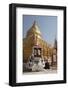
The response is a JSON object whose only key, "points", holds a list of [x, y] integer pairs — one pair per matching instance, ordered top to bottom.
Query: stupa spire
{"points": [[35, 23]]}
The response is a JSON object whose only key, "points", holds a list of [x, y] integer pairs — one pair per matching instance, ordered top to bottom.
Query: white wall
{"points": [[4, 44]]}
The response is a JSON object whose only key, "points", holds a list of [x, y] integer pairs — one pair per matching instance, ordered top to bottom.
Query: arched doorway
{"points": [[37, 51]]}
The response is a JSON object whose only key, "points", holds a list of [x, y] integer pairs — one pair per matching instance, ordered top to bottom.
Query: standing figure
{"points": [[47, 66]]}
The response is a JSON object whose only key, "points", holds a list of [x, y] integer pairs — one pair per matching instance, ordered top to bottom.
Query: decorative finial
{"points": [[34, 23], [55, 43]]}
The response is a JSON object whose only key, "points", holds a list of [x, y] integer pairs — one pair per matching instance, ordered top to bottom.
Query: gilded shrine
{"points": [[34, 45]]}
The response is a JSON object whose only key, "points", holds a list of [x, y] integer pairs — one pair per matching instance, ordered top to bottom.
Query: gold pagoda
{"points": [[34, 40]]}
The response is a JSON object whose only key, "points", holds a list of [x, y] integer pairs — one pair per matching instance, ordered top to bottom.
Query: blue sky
{"points": [[47, 24]]}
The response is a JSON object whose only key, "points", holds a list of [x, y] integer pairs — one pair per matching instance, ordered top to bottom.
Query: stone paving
{"points": [[44, 71]]}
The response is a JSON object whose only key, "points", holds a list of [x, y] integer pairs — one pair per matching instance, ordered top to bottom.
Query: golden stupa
{"points": [[34, 38]]}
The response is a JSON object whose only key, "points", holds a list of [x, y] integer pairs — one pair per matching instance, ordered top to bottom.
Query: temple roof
{"points": [[34, 29]]}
